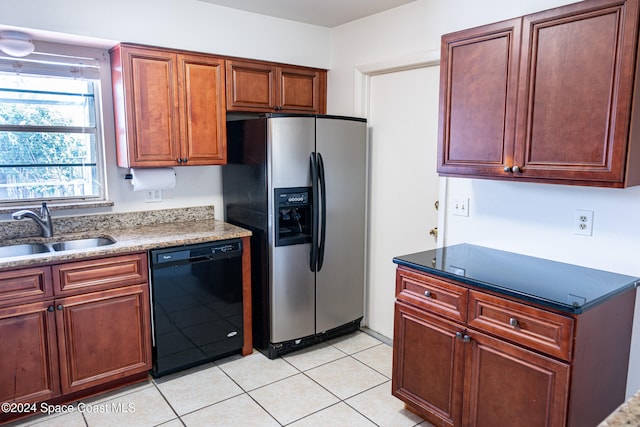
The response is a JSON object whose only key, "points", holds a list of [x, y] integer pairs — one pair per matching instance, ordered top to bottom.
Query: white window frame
{"points": [[79, 58]]}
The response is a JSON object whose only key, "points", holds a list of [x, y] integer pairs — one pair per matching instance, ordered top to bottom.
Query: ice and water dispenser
{"points": [[294, 210]]}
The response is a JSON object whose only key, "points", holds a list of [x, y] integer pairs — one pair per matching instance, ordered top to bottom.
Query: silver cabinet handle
{"points": [[514, 169], [428, 294], [514, 322], [463, 337]]}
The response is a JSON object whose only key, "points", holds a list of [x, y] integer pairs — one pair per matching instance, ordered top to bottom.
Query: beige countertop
{"points": [[139, 238], [628, 414]]}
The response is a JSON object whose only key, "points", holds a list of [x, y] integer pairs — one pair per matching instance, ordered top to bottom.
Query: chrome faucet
{"points": [[43, 221]]}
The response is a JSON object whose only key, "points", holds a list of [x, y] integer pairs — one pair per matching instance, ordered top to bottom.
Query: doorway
{"points": [[403, 182]]}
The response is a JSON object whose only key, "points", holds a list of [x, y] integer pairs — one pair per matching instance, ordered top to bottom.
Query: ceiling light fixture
{"points": [[16, 43]]}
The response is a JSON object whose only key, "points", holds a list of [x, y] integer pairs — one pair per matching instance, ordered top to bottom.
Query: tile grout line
{"points": [[351, 355], [251, 397], [340, 400], [168, 403], [319, 410]]}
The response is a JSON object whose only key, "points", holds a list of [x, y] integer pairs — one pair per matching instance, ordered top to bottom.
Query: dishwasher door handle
{"points": [[200, 259]]}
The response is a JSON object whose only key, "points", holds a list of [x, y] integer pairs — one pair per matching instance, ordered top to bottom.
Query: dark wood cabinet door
{"points": [[251, 86], [269, 87], [478, 88], [301, 90], [575, 91], [202, 105], [151, 106], [103, 336], [28, 354], [428, 365], [507, 385]]}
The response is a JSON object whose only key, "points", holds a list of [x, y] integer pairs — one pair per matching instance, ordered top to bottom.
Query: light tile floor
{"points": [[343, 382]]}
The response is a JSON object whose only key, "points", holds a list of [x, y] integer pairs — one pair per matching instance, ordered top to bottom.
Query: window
{"points": [[50, 129]]}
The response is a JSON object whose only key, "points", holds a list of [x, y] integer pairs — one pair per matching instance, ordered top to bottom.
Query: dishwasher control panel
{"points": [[235, 246], [196, 252]]}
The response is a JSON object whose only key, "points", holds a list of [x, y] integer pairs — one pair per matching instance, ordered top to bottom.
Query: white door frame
{"points": [[363, 74], [362, 96]]}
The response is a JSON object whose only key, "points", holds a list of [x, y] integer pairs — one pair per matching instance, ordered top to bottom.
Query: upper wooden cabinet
{"points": [[254, 86], [547, 97], [169, 107]]}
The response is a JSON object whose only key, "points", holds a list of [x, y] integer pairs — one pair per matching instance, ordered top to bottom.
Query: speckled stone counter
{"points": [[133, 232], [628, 414]]}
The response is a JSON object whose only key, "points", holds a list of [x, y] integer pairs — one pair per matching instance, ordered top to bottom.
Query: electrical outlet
{"points": [[153, 196], [461, 207], [583, 222]]}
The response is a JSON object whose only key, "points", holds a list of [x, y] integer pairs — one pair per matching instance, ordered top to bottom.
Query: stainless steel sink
{"points": [[89, 243], [23, 249]]}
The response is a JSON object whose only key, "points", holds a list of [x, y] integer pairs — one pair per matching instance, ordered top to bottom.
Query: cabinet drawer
{"points": [[98, 274], [24, 285], [430, 293], [538, 329]]}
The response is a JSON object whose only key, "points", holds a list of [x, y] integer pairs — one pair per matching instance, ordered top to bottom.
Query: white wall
{"points": [[182, 24], [407, 31], [534, 219]]}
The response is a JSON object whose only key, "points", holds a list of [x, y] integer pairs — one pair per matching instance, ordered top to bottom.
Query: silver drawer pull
{"points": [[428, 294], [514, 322], [463, 337]]}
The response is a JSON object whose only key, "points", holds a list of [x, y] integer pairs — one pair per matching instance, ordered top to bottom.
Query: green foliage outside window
{"points": [[47, 138]]}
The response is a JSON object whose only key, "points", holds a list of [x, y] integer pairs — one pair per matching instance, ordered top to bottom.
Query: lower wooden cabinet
{"points": [[103, 336], [52, 346], [28, 353], [466, 357], [428, 364], [435, 365], [509, 385]]}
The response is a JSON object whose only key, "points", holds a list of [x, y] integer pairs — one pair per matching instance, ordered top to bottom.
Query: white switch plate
{"points": [[153, 196], [461, 206], [583, 222]]}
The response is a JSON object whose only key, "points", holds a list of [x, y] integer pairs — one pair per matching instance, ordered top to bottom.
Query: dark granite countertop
{"points": [[566, 287]]}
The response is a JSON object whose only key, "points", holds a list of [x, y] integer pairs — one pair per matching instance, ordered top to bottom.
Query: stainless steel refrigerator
{"points": [[298, 182]]}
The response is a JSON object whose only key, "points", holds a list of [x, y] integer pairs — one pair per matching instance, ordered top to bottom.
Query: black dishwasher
{"points": [[196, 302]]}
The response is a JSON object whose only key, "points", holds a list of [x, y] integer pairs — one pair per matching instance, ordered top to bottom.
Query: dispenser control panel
{"points": [[288, 199], [293, 211]]}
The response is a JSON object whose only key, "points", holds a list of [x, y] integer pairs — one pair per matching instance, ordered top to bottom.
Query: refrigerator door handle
{"points": [[323, 211], [313, 259]]}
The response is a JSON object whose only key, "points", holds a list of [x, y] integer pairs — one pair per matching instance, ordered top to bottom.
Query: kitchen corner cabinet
{"points": [[254, 86], [547, 97], [169, 107], [71, 327], [464, 356]]}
